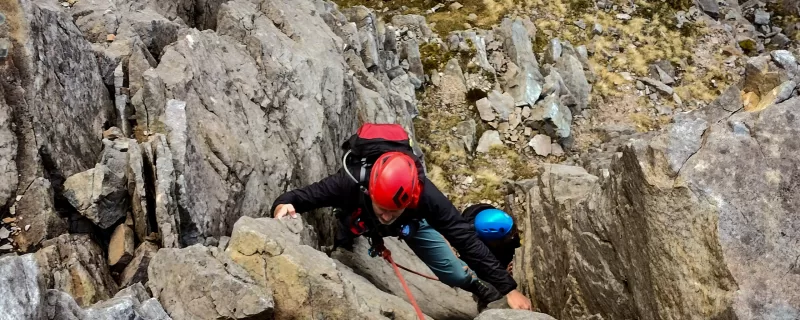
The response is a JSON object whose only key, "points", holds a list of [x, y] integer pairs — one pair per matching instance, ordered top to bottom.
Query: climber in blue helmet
{"points": [[496, 229]]}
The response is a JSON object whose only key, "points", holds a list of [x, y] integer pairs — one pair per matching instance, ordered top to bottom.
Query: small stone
{"points": [[65, 4], [455, 6], [435, 8], [623, 16], [472, 17], [761, 17], [2, 18], [580, 24], [467, 26], [598, 28], [110, 37], [780, 40], [747, 44], [663, 75], [627, 76], [640, 85], [658, 85], [654, 96], [677, 99], [485, 109], [526, 112], [514, 120], [503, 127], [528, 131], [113, 133], [488, 140], [541, 145], [556, 150], [468, 180], [13, 210], [9, 220], [27, 226], [4, 233], [6, 247], [121, 247]]}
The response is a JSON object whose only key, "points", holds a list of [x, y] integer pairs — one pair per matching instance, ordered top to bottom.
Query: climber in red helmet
{"points": [[382, 192]]}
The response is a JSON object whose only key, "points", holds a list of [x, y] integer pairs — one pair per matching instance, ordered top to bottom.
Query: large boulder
{"points": [[99, 194], [696, 222], [203, 283], [306, 283], [434, 298]]}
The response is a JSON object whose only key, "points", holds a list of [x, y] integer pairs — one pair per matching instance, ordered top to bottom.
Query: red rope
{"points": [[388, 256], [417, 273]]}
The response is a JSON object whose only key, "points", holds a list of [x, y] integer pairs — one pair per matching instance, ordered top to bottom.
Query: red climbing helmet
{"points": [[394, 182]]}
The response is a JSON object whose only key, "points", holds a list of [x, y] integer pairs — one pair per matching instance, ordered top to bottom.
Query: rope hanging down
{"points": [[386, 254]]}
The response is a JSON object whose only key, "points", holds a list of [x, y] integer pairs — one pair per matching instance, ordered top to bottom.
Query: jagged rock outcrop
{"points": [[220, 105], [62, 106], [691, 223], [78, 266], [305, 282], [24, 288], [434, 298], [132, 303]]}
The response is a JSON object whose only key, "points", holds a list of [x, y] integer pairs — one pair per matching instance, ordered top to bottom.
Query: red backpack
{"points": [[370, 142]]}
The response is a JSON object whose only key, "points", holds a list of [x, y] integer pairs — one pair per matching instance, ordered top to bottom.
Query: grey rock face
{"points": [[192, 282], [19, 288]]}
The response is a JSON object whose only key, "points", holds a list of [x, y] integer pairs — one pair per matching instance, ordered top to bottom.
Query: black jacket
{"points": [[340, 191], [504, 252]]}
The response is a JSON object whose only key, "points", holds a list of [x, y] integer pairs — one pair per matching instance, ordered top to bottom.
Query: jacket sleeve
{"points": [[328, 192], [443, 216]]}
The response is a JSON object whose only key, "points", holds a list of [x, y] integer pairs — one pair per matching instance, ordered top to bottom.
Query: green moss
{"points": [[579, 7], [434, 57]]}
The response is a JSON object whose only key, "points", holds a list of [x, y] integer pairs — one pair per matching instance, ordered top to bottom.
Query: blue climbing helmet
{"points": [[493, 224]]}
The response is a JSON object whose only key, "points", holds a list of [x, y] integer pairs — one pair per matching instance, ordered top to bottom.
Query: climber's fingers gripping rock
{"points": [[284, 209]]}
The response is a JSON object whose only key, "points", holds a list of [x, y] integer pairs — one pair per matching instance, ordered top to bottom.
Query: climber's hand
{"points": [[283, 209], [516, 300]]}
